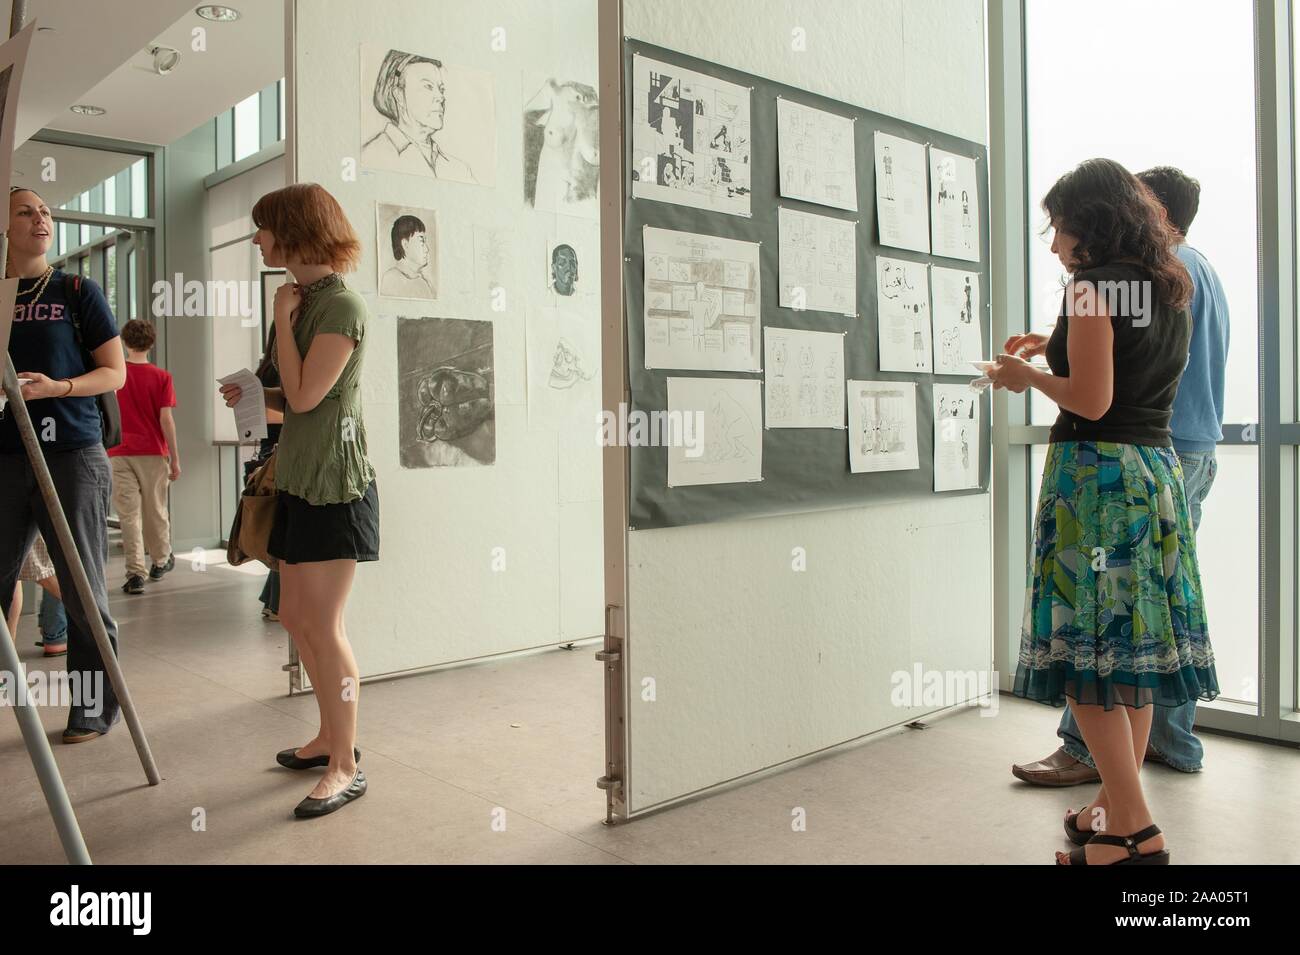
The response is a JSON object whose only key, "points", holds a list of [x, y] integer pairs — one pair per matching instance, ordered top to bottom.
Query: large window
{"points": [[1152, 84], [250, 125]]}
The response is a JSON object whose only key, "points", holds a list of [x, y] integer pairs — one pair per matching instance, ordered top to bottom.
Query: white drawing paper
{"points": [[425, 117], [690, 138], [561, 146], [815, 151], [902, 206], [954, 206], [406, 251], [572, 260], [818, 262], [494, 268], [713, 284], [903, 309], [958, 340], [563, 368], [804, 384], [250, 410], [726, 420], [882, 426], [956, 437]]}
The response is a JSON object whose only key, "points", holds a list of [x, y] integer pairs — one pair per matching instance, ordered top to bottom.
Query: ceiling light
{"points": [[217, 13], [164, 59], [85, 109]]}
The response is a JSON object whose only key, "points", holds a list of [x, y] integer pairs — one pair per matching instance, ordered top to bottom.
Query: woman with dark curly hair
{"points": [[1114, 613]]}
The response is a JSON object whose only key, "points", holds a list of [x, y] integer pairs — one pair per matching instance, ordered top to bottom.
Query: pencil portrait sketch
{"points": [[426, 118], [406, 246]]}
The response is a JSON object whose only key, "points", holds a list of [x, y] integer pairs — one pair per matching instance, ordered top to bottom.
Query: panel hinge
{"points": [[608, 656]]}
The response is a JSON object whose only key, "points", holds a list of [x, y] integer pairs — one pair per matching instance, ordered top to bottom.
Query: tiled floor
{"points": [[449, 754]]}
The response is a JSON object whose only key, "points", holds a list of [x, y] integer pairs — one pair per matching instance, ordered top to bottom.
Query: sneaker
{"points": [[157, 570], [133, 585]]}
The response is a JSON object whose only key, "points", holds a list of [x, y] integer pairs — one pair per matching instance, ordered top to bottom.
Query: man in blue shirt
{"points": [[1197, 427]]}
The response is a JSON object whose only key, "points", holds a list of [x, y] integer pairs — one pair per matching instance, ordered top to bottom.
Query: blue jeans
{"points": [[53, 619], [1171, 726]]}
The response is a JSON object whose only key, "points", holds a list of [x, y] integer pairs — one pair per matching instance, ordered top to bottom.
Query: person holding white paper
{"points": [[327, 506], [1114, 614]]}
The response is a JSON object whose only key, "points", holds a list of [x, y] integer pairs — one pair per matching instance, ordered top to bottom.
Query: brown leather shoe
{"points": [[1059, 769]]}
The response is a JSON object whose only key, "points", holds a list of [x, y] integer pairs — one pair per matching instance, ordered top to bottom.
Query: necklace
{"points": [[39, 287], [306, 291]]}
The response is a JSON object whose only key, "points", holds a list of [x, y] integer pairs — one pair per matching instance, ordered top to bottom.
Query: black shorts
{"points": [[304, 533]]}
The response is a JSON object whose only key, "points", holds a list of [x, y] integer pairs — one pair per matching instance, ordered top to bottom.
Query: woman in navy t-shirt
{"points": [[60, 394]]}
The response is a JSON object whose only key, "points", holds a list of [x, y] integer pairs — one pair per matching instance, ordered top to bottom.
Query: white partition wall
{"points": [[475, 559], [753, 661]]}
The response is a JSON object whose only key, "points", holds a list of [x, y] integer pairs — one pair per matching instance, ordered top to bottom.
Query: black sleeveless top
{"points": [[1150, 353]]}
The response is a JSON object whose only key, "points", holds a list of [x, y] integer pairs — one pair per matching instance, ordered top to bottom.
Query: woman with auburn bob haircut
{"points": [[327, 511]]}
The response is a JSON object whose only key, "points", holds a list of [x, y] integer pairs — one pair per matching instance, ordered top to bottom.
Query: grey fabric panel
{"points": [[804, 469]]}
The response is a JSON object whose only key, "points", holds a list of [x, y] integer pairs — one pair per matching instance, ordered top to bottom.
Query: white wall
{"points": [[236, 342], [433, 597], [753, 663]]}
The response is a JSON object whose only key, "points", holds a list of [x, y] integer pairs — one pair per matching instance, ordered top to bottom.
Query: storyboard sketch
{"points": [[425, 117], [690, 138], [561, 146], [816, 157], [954, 206], [902, 207], [406, 251], [818, 262], [701, 302], [956, 302], [903, 310], [563, 368], [804, 383], [446, 394], [725, 424], [882, 426], [956, 437]]}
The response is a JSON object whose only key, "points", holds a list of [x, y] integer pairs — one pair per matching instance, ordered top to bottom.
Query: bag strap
{"points": [[72, 295]]}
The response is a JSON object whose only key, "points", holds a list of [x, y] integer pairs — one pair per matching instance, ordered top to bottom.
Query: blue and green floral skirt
{"points": [[1114, 611]]}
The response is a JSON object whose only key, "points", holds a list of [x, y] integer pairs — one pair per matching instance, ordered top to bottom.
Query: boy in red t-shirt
{"points": [[141, 468]]}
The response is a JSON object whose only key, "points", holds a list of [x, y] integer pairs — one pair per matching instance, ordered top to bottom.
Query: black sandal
{"points": [[289, 759], [1076, 835], [1159, 857]]}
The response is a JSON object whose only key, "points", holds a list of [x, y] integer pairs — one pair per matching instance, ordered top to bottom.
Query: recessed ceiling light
{"points": [[218, 13], [164, 59], [85, 109]]}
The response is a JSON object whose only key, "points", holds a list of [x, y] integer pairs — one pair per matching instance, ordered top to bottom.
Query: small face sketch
{"points": [[564, 269]]}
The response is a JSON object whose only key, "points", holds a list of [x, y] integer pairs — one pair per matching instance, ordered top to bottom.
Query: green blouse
{"points": [[321, 456]]}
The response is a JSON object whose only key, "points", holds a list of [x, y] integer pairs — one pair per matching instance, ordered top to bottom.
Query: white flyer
{"points": [[690, 138], [816, 155], [954, 206], [902, 208], [818, 268], [701, 302], [903, 312], [958, 337], [804, 383], [250, 410], [726, 418], [882, 426], [956, 437]]}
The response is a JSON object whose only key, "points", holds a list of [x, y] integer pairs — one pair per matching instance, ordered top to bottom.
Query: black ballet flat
{"points": [[288, 760], [310, 808], [1076, 835], [1159, 857]]}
